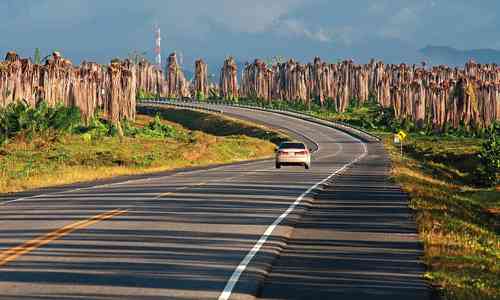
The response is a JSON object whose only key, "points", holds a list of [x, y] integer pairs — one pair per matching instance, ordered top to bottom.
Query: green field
{"points": [[38, 158], [457, 214], [457, 220]]}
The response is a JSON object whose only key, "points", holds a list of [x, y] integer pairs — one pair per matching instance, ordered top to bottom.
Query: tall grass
{"points": [[19, 117], [150, 144], [489, 170], [457, 220]]}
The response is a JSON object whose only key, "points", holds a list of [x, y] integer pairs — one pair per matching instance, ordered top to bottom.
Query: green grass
{"points": [[214, 124], [51, 157], [457, 220]]}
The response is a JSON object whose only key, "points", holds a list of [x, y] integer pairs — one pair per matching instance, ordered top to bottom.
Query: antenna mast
{"points": [[158, 46]]}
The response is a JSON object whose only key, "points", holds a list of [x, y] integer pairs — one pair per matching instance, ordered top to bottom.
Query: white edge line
{"points": [[132, 180], [128, 181], [233, 280]]}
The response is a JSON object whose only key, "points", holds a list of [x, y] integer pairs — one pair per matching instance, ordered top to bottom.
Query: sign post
{"points": [[399, 139]]}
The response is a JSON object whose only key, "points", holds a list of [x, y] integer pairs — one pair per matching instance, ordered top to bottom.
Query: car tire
{"points": [[278, 166], [306, 166]]}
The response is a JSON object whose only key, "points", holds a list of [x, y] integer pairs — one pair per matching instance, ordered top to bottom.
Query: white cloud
{"points": [[377, 7], [46, 13], [186, 15], [239, 16], [252, 16], [403, 24], [214, 27], [297, 28]]}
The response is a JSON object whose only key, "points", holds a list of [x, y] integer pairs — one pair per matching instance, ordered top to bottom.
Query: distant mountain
{"points": [[436, 55]]}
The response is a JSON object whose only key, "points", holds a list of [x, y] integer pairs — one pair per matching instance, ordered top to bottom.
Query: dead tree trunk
{"points": [[229, 80], [200, 82], [177, 85]]}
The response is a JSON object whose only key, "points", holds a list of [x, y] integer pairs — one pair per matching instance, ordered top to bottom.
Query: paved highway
{"points": [[337, 231]]}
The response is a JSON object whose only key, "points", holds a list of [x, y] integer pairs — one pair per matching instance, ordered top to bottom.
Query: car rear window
{"points": [[292, 146]]}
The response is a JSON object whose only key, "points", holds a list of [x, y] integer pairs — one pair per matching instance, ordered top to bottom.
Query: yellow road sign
{"points": [[402, 135]]}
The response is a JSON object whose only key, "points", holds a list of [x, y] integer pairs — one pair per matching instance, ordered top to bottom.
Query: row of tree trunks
{"points": [[19, 79], [150, 79], [229, 80], [200, 81], [257, 81], [173, 84], [177, 85], [88, 87], [112, 88], [86, 93], [121, 93], [437, 97]]}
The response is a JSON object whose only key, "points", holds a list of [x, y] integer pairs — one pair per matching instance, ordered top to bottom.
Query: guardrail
{"points": [[182, 104], [192, 104]]}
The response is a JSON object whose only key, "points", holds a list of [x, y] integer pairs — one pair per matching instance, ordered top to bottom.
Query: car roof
{"points": [[283, 143], [299, 145]]}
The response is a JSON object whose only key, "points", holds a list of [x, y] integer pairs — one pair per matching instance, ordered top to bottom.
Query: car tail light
{"points": [[281, 152], [301, 153]]}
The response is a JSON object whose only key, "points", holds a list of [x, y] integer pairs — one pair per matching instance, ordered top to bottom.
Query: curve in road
{"points": [[214, 233]]}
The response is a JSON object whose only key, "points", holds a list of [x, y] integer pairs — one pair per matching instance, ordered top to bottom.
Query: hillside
{"points": [[451, 56]]}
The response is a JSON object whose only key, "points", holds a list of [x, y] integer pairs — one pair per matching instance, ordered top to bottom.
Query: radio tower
{"points": [[158, 47]]}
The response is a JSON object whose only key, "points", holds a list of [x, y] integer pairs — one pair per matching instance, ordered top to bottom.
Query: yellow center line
{"points": [[180, 189], [171, 193], [11, 254]]}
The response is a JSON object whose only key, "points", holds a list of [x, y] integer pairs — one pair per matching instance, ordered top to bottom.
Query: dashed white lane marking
{"points": [[233, 280]]}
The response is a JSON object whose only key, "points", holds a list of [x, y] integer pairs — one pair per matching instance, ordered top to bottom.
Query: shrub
{"points": [[144, 95], [200, 96], [353, 104], [19, 117], [63, 118], [98, 128], [157, 129], [87, 137], [489, 157]]}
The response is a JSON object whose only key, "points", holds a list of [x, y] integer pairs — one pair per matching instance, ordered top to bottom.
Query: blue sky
{"points": [[99, 30]]}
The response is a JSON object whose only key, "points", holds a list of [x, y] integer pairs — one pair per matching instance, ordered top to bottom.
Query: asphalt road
{"points": [[339, 230]]}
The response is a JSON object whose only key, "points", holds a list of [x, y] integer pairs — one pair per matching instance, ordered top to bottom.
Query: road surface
{"points": [[337, 231]]}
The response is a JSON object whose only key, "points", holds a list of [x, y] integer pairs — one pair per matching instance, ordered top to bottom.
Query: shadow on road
{"points": [[358, 241], [187, 242]]}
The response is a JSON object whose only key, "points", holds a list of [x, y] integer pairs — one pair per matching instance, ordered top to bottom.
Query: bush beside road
{"points": [[39, 157], [458, 220]]}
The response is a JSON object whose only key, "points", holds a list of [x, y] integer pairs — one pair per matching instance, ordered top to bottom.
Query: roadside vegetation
{"points": [[144, 95], [212, 123], [47, 146], [453, 181], [457, 217]]}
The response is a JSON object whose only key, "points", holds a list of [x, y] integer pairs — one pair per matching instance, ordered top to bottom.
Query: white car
{"points": [[293, 153]]}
